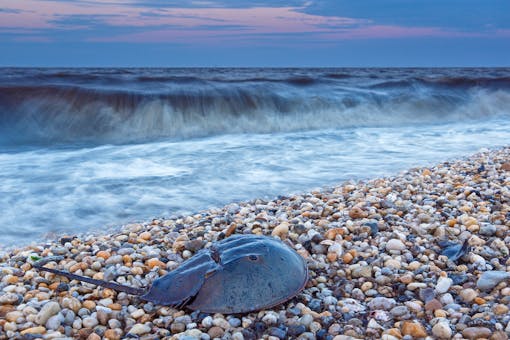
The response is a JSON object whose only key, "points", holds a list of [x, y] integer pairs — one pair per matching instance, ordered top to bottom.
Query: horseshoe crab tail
{"points": [[111, 285]]}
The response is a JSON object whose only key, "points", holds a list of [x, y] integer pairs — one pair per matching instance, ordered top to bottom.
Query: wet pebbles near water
{"points": [[424, 254]]}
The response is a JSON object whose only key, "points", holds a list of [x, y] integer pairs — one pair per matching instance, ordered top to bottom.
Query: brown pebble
{"points": [[505, 166], [426, 172], [357, 212], [230, 230], [333, 232], [347, 258], [406, 278], [433, 304], [115, 306], [6, 309], [177, 327], [414, 329], [85, 332], [215, 332], [476, 332], [113, 334], [499, 335], [93, 336]]}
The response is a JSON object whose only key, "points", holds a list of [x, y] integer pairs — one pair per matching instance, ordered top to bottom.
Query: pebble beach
{"points": [[423, 254]]}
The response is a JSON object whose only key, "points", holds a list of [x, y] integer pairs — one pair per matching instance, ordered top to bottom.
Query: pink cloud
{"points": [[187, 24]]}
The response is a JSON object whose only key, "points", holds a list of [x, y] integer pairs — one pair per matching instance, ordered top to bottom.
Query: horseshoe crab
{"points": [[239, 274]]}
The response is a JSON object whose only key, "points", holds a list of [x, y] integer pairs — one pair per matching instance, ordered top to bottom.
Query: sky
{"points": [[254, 33]]}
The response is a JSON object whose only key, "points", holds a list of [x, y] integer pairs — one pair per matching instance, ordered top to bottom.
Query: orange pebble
{"points": [[145, 235], [103, 254], [347, 258], [155, 262], [479, 301], [115, 306]]}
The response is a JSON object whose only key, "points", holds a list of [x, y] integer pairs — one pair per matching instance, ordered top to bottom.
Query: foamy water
{"points": [[83, 150]]}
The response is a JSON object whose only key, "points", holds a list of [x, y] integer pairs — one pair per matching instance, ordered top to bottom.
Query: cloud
{"points": [[208, 21]]}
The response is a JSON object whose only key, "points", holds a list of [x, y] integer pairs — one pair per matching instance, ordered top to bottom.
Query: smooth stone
{"points": [[487, 229], [395, 244], [361, 271], [490, 279], [443, 284], [427, 294], [468, 295], [10, 299], [382, 303], [433, 305], [47, 311], [400, 312], [270, 319], [306, 320], [54, 322], [89, 322], [207, 322], [234, 322], [177, 327], [139, 329], [414, 329], [34, 330], [296, 330], [442, 330], [215, 332], [277, 332], [476, 332], [236, 336]]}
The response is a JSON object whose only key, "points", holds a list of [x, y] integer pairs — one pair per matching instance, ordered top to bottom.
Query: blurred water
{"points": [[75, 188]]}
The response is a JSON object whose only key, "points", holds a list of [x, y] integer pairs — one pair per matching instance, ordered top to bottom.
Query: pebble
{"points": [[395, 244], [490, 279], [443, 284], [468, 295], [9, 299], [382, 303], [48, 310], [54, 322], [89, 322], [140, 329], [414, 329], [34, 330], [442, 330], [215, 332], [476, 332]]}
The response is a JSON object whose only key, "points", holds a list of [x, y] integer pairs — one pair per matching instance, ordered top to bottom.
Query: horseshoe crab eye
{"points": [[253, 257]]}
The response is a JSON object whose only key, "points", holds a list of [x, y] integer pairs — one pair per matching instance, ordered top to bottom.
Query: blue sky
{"points": [[254, 33]]}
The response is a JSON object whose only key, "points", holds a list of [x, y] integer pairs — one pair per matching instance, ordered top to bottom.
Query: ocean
{"points": [[87, 149]]}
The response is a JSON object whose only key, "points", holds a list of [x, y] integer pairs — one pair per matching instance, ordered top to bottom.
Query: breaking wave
{"points": [[127, 106]]}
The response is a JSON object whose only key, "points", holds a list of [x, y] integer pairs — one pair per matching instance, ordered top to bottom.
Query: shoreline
{"points": [[377, 266]]}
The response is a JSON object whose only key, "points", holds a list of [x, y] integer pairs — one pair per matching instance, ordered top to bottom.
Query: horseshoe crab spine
{"points": [[106, 284]]}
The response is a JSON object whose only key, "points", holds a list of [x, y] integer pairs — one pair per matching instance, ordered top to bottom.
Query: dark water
{"points": [[137, 105], [85, 148]]}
